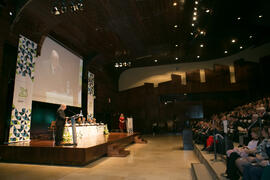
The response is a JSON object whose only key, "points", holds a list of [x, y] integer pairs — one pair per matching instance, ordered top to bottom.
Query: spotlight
{"points": [[196, 2], [175, 4], [195, 9], [207, 10], [55, 11], [10, 13], [195, 13], [260, 16], [194, 18], [238, 18], [192, 24], [175, 26], [250, 37], [233, 40], [176, 45], [201, 45], [241, 47], [225, 52], [198, 57], [176, 58], [155, 60], [116, 65]]}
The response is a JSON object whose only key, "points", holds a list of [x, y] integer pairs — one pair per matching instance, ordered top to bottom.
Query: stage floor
{"points": [[45, 152]]}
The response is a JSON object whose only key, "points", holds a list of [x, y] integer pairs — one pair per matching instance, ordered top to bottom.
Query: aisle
{"points": [[160, 159]]}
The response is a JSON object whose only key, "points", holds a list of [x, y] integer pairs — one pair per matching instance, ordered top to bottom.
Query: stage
{"points": [[88, 150]]}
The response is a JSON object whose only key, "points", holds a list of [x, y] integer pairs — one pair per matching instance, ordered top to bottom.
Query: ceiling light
{"points": [[196, 2], [175, 4], [195, 9], [207, 10], [10, 13], [195, 13], [260, 16], [194, 18], [238, 18], [192, 24], [175, 26], [202, 32], [191, 33], [250, 36], [233, 40], [176, 45], [201, 45], [241, 47], [225, 52], [198, 57], [176, 58], [155, 60], [120, 64], [116, 65]]}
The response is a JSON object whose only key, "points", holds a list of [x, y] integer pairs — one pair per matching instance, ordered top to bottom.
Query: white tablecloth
{"points": [[82, 132]]}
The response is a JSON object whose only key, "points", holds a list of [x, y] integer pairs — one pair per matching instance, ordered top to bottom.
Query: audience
{"points": [[244, 124]]}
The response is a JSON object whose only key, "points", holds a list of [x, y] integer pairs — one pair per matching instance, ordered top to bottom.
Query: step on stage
{"points": [[88, 150]]}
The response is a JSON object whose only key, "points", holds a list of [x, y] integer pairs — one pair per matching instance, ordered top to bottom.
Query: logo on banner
{"points": [[23, 92]]}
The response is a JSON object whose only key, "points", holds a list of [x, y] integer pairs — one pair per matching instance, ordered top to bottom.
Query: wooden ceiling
{"points": [[141, 31]]}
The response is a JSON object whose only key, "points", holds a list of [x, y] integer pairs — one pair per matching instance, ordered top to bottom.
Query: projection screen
{"points": [[58, 75]]}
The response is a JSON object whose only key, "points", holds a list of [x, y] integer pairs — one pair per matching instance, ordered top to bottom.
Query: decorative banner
{"points": [[23, 87], [91, 97]]}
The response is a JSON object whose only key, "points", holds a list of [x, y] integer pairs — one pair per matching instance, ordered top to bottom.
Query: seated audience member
{"points": [[260, 153], [234, 154], [255, 171]]}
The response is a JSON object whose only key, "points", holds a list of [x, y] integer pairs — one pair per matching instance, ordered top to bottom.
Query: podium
{"points": [[73, 124]]}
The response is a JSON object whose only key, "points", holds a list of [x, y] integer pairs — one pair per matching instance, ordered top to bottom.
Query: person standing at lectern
{"points": [[122, 122], [60, 124]]}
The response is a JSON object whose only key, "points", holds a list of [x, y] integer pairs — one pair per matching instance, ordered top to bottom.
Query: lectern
{"points": [[73, 123]]}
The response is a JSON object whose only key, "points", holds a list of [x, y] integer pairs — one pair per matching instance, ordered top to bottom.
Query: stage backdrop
{"points": [[91, 97], [22, 99]]}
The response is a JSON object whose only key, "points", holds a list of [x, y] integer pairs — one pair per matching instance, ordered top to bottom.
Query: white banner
{"points": [[91, 97], [22, 98]]}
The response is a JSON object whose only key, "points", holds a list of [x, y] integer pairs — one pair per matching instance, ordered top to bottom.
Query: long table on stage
{"points": [[83, 131], [44, 151]]}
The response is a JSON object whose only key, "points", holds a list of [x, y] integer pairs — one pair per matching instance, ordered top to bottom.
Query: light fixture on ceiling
{"points": [[196, 2], [175, 4], [63, 6], [195, 9], [207, 10], [10, 13], [195, 13], [260, 16], [194, 18], [192, 24], [176, 26], [250, 37], [233, 40], [176, 45], [201, 45], [241, 47], [225, 52], [198, 57], [176, 58], [156, 60]]}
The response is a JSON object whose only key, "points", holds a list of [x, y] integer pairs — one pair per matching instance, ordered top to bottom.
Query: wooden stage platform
{"points": [[88, 150]]}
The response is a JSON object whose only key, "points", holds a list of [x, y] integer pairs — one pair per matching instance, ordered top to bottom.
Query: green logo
{"points": [[23, 92]]}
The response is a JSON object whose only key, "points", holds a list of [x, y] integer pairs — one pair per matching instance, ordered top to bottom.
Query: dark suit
{"points": [[60, 124]]}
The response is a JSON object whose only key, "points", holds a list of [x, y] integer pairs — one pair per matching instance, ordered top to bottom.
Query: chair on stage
{"points": [[52, 129]]}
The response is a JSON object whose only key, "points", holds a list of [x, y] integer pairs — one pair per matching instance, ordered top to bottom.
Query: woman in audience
{"points": [[260, 153], [234, 154], [256, 170]]}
